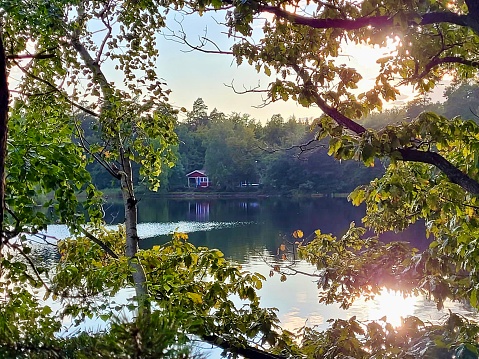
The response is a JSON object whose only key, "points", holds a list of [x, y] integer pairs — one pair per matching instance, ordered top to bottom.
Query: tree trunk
{"points": [[3, 132], [125, 174], [131, 222]]}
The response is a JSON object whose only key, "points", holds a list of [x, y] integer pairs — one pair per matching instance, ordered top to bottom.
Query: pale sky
{"points": [[191, 75]]}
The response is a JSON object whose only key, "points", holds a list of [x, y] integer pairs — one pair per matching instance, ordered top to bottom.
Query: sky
{"points": [[193, 74]]}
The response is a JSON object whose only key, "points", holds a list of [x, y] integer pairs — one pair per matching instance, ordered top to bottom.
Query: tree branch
{"points": [[106, 22], [362, 22], [181, 38], [30, 56], [436, 61], [94, 66], [56, 89], [310, 89], [302, 147], [407, 154], [97, 158], [453, 173], [100, 243], [32, 265], [246, 351]]}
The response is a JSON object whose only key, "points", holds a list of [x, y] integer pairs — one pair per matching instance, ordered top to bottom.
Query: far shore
{"points": [[220, 195]]}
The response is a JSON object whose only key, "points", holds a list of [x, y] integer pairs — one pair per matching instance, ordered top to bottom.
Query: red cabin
{"points": [[197, 179]]}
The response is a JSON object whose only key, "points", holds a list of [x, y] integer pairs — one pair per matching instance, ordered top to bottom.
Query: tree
{"points": [[64, 52], [461, 100], [198, 115], [272, 132], [231, 151]]}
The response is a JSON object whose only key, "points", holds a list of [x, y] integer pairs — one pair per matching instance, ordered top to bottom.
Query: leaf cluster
{"points": [[379, 339]]}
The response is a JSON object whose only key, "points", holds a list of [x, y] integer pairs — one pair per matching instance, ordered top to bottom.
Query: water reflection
{"points": [[199, 211], [157, 230], [250, 231], [298, 303], [394, 306]]}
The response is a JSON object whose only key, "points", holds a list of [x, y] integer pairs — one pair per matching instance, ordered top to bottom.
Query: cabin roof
{"points": [[197, 173]]}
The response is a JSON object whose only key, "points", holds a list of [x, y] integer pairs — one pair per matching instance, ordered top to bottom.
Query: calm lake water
{"points": [[249, 231]]}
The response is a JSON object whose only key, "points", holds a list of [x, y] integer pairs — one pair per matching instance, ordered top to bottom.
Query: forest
{"points": [[280, 155]]}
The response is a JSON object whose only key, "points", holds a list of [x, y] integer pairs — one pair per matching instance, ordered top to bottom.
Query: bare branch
{"points": [[106, 22], [181, 37], [32, 56], [39, 56], [436, 61], [245, 90], [36, 94], [304, 147], [97, 158], [44, 237], [100, 243]]}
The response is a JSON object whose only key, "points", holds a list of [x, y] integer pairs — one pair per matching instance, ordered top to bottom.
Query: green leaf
{"points": [[195, 297]]}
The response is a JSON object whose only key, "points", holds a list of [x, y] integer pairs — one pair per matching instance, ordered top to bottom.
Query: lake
{"points": [[249, 231]]}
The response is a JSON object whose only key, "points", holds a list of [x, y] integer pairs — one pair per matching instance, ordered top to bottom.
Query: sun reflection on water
{"points": [[392, 305]]}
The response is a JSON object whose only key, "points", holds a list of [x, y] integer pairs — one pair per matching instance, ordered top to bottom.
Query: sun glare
{"points": [[392, 305]]}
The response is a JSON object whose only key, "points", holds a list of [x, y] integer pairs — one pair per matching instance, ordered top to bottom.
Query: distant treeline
{"points": [[238, 153]]}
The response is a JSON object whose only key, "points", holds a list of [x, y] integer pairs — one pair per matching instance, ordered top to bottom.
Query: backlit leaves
{"points": [[379, 339]]}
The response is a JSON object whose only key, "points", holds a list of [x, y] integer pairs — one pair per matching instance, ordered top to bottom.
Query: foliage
{"points": [[236, 149], [41, 151], [199, 281], [379, 339]]}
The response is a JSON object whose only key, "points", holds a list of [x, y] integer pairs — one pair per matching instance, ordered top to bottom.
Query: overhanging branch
{"points": [[362, 22], [436, 61], [328, 110], [411, 155], [453, 173], [100, 243]]}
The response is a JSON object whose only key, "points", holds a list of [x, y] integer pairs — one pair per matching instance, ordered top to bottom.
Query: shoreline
{"points": [[224, 195]]}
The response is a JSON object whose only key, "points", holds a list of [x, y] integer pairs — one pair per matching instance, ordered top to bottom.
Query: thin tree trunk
{"points": [[3, 132], [125, 174], [131, 222]]}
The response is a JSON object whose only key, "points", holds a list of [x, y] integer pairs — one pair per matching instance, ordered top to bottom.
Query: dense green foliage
{"points": [[235, 149]]}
